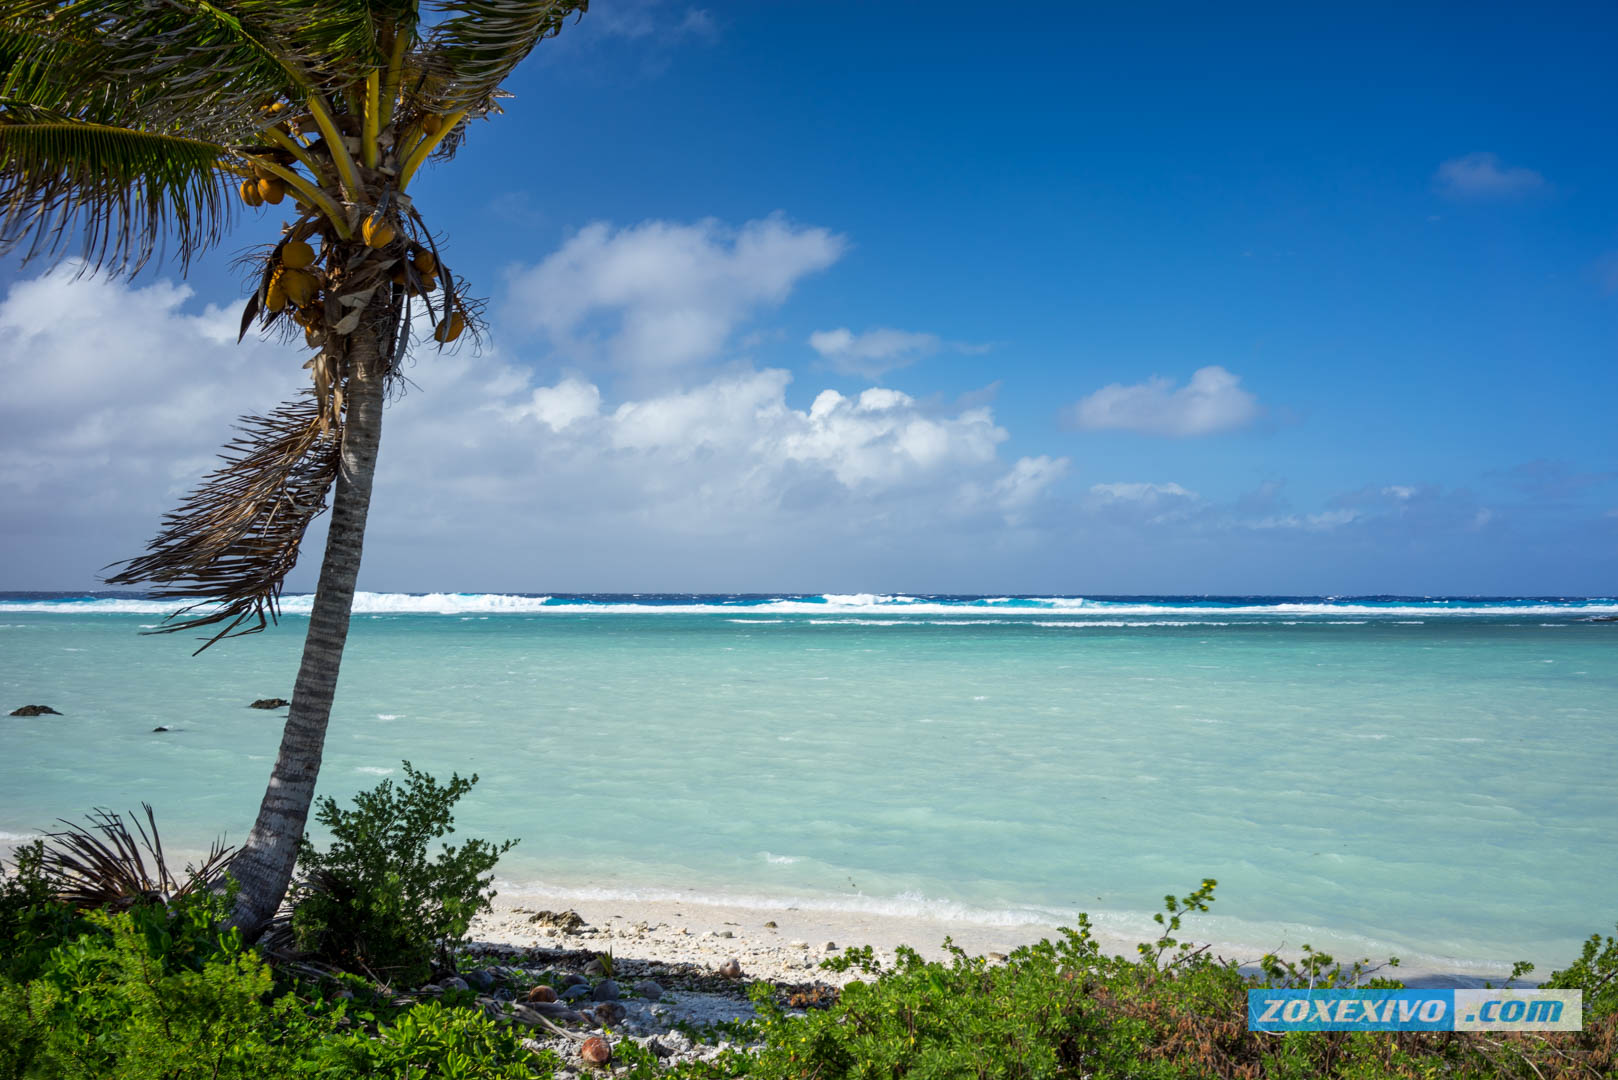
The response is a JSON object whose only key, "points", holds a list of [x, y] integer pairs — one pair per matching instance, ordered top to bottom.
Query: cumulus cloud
{"points": [[1481, 176], [660, 295], [118, 398], [1213, 401]]}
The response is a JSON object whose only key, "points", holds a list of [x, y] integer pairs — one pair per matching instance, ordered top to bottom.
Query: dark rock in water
{"points": [[1593, 618], [270, 703], [35, 710], [161, 727], [479, 978], [606, 990], [574, 993], [609, 1013]]}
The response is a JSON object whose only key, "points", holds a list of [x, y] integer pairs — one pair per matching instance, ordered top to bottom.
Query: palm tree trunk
{"points": [[263, 867]]}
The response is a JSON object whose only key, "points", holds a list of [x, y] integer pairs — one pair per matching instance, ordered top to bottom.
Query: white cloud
{"points": [[1481, 176], [661, 295], [873, 351], [107, 378], [119, 397], [1213, 401], [564, 404], [1029, 479], [1140, 492], [1324, 521]]}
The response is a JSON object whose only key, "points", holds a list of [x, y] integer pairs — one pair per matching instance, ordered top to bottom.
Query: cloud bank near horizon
{"points": [[574, 473]]}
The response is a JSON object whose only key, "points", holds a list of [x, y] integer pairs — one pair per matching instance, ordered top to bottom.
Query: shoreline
{"points": [[787, 944]]}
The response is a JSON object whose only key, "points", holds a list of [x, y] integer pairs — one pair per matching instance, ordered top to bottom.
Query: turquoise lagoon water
{"points": [[1430, 779]]}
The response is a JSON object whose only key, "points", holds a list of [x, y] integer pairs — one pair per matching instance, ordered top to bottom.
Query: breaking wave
{"points": [[863, 607]]}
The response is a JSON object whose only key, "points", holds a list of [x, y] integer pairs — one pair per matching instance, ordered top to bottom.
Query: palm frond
{"points": [[337, 38], [479, 42], [186, 66], [119, 191], [232, 542], [102, 867]]}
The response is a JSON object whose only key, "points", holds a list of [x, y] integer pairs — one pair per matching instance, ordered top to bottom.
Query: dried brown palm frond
{"points": [[232, 542], [102, 866]]}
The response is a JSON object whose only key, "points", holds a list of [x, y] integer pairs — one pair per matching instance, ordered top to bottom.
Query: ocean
{"points": [[1432, 778]]}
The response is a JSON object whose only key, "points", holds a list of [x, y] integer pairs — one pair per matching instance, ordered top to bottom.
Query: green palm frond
{"points": [[344, 38], [479, 42], [186, 66], [117, 191]]}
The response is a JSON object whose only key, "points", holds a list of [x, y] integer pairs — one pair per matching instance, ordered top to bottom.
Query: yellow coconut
{"points": [[432, 124], [272, 190], [249, 193], [376, 231], [296, 255], [425, 263], [399, 275], [429, 283], [299, 286], [275, 297], [450, 328]]}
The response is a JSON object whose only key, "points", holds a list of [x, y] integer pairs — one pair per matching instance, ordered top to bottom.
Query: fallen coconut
{"points": [[596, 1050]]}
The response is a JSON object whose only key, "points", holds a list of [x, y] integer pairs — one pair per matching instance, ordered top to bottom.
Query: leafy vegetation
{"points": [[373, 902], [167, 989]]}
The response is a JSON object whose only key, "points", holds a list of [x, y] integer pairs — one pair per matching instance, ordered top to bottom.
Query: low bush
{"points": [[372, 902], [166, 990]]}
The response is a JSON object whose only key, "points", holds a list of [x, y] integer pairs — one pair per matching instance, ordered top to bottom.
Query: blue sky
{"points": [[1387, 239]]}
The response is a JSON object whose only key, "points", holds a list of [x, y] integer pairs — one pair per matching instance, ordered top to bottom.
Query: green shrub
{"points": [[372, 902], [32, 920], [1596, 973], [153, 992], [1063, 1008], [433, 1040]]}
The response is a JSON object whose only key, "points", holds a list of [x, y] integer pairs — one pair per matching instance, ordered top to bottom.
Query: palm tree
{"points": [[128, 123]]}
